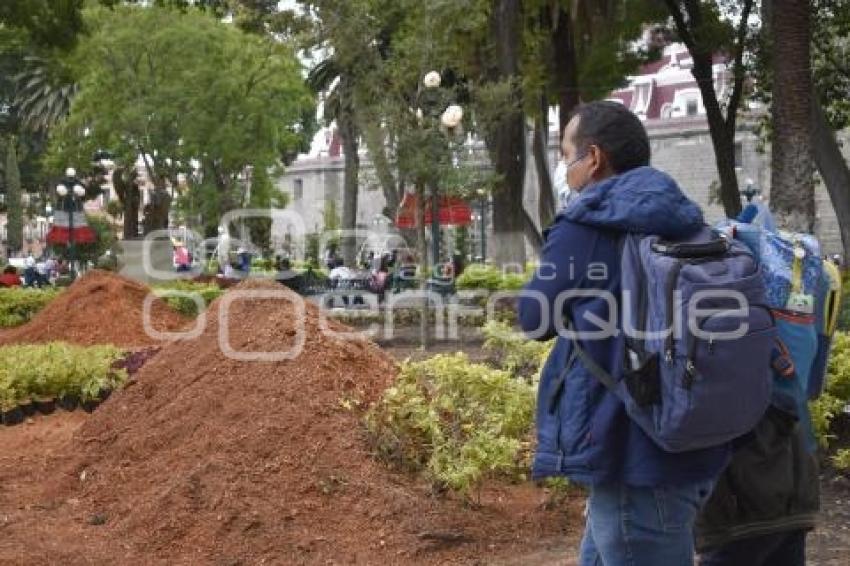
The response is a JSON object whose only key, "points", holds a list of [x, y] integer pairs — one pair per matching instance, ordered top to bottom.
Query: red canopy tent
{"points": [[453, 211]]}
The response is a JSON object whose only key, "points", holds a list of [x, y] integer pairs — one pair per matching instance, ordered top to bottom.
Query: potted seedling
{"points": [[39, 388], [90, 393], [27, 405], [10, 411]]}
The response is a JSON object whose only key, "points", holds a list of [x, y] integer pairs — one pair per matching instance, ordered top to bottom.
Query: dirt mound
{"points": [[99, 308], [208, 459]]}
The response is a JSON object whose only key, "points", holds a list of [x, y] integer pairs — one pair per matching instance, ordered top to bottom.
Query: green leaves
{"points": [[180, 86], [487, 277], [184, 304], [18, 305], [514, 352], [56, 369], [837, 395], [455, 421]]}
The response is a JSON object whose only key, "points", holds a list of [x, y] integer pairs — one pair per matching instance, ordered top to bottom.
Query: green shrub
{"points": [[261, 264], [477, 276], [19, 305], [186, 305], [844, 315], [515, 353], [56, 369], [837, 394], [823, 410], [455, 421], [841, 459]]}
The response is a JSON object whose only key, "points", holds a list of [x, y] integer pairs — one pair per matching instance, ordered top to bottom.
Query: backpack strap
{"points": [[589, 363], [560, 381]]}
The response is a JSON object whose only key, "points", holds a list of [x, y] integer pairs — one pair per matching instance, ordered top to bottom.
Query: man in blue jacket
{"points": [[642, 500]]}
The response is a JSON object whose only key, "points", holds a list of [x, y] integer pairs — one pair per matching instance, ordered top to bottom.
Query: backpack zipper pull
{"points": [[711, 343], [668, 356]]}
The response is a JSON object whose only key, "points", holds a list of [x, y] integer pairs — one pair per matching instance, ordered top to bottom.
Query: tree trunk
{"points": [[690, 27], [565, 69], [348, 132], [722, 132], [506, 139], [377, 152], [833, 170], [792, 189], [128, 194], [546, 195], [156, 211], [15, 218]]}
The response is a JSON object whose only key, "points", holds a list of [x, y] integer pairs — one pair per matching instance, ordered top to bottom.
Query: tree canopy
{"points": [[188, 93]]}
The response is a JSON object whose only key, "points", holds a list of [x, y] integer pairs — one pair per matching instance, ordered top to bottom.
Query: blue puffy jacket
{"points": [[583, 430]]}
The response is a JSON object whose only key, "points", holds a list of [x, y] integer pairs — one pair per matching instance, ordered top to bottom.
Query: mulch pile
{"points": [[99, 308], [203, 459]]}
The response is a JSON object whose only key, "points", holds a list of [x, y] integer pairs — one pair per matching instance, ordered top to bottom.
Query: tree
{"points": [[47, 23], [706, 33], [578, 51], [338, 85], [170, 87], [44, 92], [831, 104], [506, 134], [792, 191], [15, 222]]}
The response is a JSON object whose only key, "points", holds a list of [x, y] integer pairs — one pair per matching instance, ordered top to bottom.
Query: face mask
{"points": [[562, 188]]}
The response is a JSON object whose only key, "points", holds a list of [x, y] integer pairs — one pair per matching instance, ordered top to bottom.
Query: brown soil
{"points": [[99, 308], [208, 460]]}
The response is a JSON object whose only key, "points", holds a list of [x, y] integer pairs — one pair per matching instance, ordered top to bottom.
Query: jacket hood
{"points": [[642, 200]]}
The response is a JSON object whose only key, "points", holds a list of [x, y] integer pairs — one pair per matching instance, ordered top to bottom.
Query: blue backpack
{"points": [[804, 294], [689, 380]]}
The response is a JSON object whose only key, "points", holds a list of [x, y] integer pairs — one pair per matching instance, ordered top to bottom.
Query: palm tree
{"points": [[330, 78], [43, 93], [792, 191]]}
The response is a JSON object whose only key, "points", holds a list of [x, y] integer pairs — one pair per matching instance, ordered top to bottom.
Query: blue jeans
{"points": [[642, 526]]}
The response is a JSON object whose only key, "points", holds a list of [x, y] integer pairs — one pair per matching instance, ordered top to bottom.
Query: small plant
{"points": [[478, 277], [18, 305], [185, 305], [515, 353], [49, 371], [837, 394], [454, 421], [841, 459]]}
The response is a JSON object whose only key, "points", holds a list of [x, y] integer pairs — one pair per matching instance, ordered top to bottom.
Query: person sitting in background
{"points": [[244, 260], [182, 262], [51, 266], [29, 271], [338, 276], [10, 277], [41, 278]]}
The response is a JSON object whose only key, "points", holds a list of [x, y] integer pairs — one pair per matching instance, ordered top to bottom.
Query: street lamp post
{"points": [[69, 190], [482, 200], [435, 225]]}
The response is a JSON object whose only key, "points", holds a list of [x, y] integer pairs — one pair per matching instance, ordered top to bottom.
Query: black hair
{"points": [[615, 130]]}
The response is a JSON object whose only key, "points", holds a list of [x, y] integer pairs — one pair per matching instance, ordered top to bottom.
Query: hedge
{"points": [[185, 304], [18, 305], [57, 369]]}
